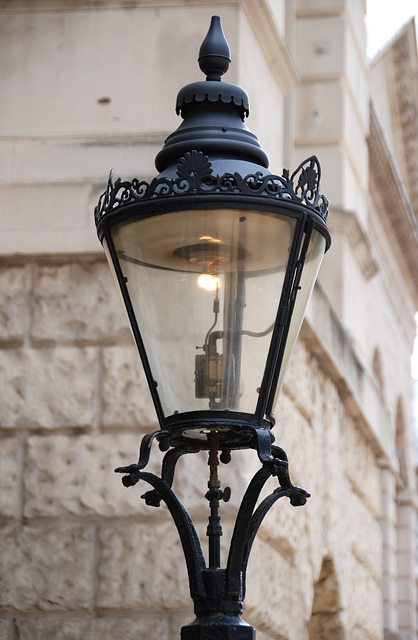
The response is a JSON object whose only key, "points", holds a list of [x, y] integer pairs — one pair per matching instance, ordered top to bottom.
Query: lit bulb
{"points": [[208, 281]]}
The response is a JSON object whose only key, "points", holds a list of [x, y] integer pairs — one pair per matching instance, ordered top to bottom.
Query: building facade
{"points": [[90, 84]]}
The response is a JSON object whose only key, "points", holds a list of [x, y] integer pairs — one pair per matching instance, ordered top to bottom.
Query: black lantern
{"points": [[216, 259]]}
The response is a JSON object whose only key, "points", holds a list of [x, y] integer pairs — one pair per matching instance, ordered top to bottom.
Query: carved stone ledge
{"points": [[396, 211], [347, 223]]}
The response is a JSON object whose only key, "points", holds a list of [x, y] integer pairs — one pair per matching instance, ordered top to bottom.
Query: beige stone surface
{"points": [[319, 51], [14, 301], [77, 302], [301, 383], [35, 387], [126, 400], [361, 466], [74, 475], [10, 493], [362, 528], [141, 565], [46, 567], [276, 587], [363, 601], [179, 620], [329, 626], [139, 627], [142, 627], [54, 628], [6, 629], [267, 636]]}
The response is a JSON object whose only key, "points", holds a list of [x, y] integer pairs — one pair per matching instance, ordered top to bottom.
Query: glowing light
{"points": [[209, 238], [208, 281]]}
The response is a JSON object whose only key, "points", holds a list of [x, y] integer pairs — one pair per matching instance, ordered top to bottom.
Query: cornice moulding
{"points": [[400, 59], [405, 61], [396, 209], [347, 223]]}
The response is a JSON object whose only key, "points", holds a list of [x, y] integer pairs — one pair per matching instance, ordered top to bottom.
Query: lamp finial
{"points": [[214, 55]]}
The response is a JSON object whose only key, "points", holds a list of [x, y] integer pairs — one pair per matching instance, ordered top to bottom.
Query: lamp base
{"points": [[218, 627]]}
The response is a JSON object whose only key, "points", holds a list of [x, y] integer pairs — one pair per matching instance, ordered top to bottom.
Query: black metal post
{"points": [[214, 530]]}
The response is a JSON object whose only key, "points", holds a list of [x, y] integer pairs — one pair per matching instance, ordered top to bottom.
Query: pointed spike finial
{"points": [[214, 55]]}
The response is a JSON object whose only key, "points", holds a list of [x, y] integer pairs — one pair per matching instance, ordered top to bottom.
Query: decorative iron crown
{"points": [[196, 177]]}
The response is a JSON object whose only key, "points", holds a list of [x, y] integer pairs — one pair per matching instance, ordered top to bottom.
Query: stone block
{"points": [[320, 7], [320, 51], [319, 112], [45, 217], [77, 302], [14, 303], [299, 381], [47, 387], [126, 400], [295, 435], [361, 465], [75, 475], [9, 477], [387, 483], [283, 528], [365, 534], [388, 534], [406, 540], [405, 562], [389, 564], [46, 567], [142, 567], [275, 589], [389, 589], [406, 589], [363, 612], [406, 617], [178, 621], [329, 626], [141, 627], [50, 628], [6, 629], [264, 636]]}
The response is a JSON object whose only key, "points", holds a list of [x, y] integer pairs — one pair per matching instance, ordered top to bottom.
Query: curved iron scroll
{"points": [[249, 519], [188, 536], [225, 591]]}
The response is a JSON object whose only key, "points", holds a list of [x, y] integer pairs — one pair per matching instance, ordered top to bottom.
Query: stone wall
{"points": [[81, 557]]}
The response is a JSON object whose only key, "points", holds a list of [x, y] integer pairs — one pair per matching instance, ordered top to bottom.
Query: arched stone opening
{"points": [[326, 622]]}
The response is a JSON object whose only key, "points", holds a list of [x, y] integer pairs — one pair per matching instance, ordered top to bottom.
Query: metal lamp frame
{"points": [[198, 171], [192, 191]]}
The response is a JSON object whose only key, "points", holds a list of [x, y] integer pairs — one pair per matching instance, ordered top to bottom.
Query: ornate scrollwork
{"points": [[195, 176], [218, 594]]}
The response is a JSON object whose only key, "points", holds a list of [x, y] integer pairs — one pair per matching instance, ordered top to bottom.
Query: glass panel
{"points": [[313, 261], [205, 287]]}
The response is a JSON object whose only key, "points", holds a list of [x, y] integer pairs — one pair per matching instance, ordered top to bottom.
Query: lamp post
{"points": [[216, 259]]}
